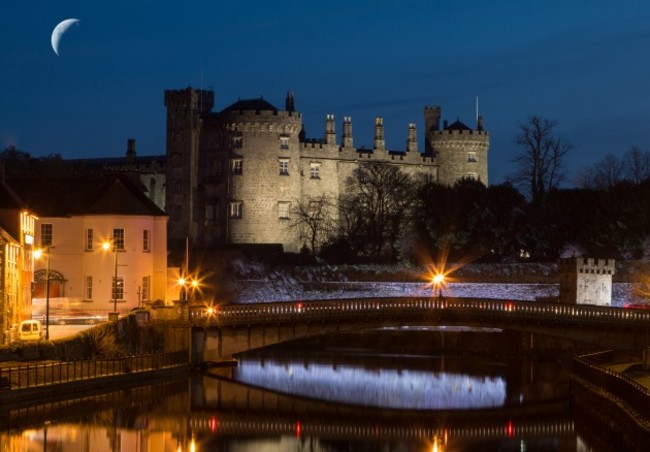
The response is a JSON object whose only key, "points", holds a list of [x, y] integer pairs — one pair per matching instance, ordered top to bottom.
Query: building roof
{"points": [[250, 105], [457, 125], [113, 194], [9, 199]]}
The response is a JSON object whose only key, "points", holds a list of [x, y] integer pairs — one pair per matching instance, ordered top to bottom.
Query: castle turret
{"points": [[290, 102], [431, 124], [347, 132], [330, 133], [412, 139], [379, 143], [460, 152], [586, 280]]}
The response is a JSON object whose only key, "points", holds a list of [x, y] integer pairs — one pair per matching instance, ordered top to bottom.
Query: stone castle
{"points": [[235, 176]]}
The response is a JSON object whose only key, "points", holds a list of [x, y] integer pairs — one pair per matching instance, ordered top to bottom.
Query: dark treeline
{"points": [[469, 221]]}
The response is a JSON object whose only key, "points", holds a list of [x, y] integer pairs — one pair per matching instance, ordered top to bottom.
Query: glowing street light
{"points": [[107, 246], [38, 254], [438, 281]]}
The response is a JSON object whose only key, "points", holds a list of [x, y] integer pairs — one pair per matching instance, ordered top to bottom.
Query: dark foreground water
{"points": [[390, 391]]}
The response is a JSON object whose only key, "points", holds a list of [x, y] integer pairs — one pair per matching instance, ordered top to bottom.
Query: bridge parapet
{"points": [[328, 310]]}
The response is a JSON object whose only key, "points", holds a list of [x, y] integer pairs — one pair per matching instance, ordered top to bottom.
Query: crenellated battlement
{"points": [[190, 98], [461, 133], [587, 265]]}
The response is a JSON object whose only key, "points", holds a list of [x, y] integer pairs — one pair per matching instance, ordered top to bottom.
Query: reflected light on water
{"points": [[389, 388]]}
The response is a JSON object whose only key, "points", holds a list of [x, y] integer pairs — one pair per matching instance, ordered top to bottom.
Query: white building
{"points": [[104, 245]]}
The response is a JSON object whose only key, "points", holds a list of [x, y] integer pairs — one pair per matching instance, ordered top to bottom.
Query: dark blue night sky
{"points": [[583, 63]]}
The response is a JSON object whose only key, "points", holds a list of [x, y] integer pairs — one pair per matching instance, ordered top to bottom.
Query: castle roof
{"points": [[250, 105], [457, 125]]}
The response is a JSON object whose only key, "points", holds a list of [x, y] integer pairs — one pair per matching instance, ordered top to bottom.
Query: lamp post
{"points": [[106, 246], [38, 254], [438, 281]]}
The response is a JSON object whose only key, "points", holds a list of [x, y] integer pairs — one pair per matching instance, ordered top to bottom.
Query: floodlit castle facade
{"points": [[235, 176]]}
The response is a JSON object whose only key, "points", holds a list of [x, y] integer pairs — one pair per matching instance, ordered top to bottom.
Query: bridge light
{"points": [[299, 306], [213, 424]]}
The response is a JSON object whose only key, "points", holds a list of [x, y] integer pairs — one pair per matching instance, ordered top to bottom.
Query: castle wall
{"points": [[460, 153]]}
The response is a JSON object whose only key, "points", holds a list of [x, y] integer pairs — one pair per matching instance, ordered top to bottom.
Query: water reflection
{"points": [[387, 388]]}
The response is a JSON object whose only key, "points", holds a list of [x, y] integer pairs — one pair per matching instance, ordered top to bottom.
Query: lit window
{"points": [[284, 142], [471, 157], [236, 166], [284, 167], [314, 170], [235, 209], [283, 210], [46, 235], [89, 239], [118, 239], [146, 240], [88, 288], [118, 288], [146, 288]]}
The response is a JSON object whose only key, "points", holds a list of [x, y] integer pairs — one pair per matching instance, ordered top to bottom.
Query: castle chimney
{"points": [[290, 103], [479, 124], [347, 132], [330, 134], [412, 140], [380, 144], [130, 150]]}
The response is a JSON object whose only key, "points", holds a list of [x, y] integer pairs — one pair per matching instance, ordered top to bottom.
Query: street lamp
{"points": [[106, 246], [38, 254], [438, 280]]}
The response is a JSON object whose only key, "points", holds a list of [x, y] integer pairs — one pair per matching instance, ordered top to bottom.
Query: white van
{"points": [[30, 330]]}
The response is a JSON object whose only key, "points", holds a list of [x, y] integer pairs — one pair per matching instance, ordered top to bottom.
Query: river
{"points": [[422, 389]]}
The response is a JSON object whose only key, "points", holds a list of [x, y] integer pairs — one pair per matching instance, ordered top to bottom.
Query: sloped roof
{"points": [[250, 105], [457, 125], [113, 194], [8, 198]]}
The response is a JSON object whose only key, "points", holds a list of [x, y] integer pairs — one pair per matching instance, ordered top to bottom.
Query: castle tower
{"points": [[185, 110], [431, 124], [347, 132], [330, 133], [412, 139], [379, 142], [460, 152], [264, 172], [586, 280]]}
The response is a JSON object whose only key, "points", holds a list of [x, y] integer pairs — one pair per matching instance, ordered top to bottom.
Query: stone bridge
{"points": [[237, 328]]}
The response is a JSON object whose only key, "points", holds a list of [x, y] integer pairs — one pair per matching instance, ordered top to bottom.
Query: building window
{"points": [[238, 142], [284, 142], [471, 157], [236, 166], [284, 167], [314, 170], [472, 176], [235, 209], [283, 210], [46, 235], [118, 239], [89, 240], [146, 240], [88, 288], [118, 288], [146, 288]]}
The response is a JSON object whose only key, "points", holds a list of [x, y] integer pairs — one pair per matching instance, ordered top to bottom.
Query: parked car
{"points": [[30, 330]]}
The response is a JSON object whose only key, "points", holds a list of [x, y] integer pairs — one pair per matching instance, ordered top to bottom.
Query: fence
{"points": [[43, 374], [634, 394]]}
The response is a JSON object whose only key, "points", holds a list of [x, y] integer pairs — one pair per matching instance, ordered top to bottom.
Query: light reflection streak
{"points": [[386, 388]]}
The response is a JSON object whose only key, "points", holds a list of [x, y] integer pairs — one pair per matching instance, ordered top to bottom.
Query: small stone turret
{"points": [[347, 132], [330, 133], [412, 139], [379, 142], [586, 280]]}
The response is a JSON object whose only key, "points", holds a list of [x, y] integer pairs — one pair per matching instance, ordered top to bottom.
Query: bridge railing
{"points": [[349, 308], [591, 369]]}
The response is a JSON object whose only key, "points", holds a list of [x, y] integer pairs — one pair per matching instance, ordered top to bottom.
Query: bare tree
{"points": [[539, 164], [636, 165], [608, 172], [375, 208], [314, 220]]}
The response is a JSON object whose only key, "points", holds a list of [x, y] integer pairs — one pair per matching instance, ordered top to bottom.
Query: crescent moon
{"points": [[58, 31]]}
